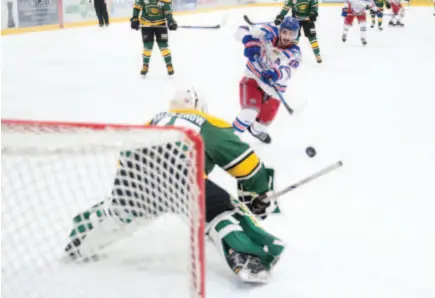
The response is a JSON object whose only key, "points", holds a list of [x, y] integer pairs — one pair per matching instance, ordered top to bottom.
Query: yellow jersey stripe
{"points": [[245, 166]]}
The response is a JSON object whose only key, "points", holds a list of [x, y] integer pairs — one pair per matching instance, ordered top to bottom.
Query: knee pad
{"points": [[162, 36], [268, 110]]}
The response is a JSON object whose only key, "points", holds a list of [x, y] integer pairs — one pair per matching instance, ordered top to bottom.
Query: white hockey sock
{"points": [[345, 29], [363, 30], [244, 119]]}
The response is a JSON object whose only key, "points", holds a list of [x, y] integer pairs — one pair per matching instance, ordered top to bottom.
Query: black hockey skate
{"points": [[391, 23], [400, 24], [372, 25], [380, 28], [343, 37], [364, 41], [170, 69], [144, 70], [262, 136], [249, 268]]}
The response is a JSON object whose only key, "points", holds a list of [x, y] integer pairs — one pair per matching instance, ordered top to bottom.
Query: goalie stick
{"points": [[304, 181]]}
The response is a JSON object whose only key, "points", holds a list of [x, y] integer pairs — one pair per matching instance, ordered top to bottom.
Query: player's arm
{"points": [[288, 4], [137, 7], [167, 10], [314, 10], [134, 20], [239, 160]]}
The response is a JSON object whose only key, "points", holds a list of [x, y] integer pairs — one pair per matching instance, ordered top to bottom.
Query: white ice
{"points": [[367, 230]]}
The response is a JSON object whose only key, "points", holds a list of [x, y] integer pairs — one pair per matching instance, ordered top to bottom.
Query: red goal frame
{"points": [[200, 162]]}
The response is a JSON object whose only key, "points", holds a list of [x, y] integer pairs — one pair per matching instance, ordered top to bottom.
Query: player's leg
{"points": [[99, 12], [105, 13], [400, 16], [373, 18], [380, 18], [348, 20], [362, 21], [299, 33], [311, 33], [162, 41], [148, 43], [251, 98], [268, 110], [137, 197], [248, 249]]}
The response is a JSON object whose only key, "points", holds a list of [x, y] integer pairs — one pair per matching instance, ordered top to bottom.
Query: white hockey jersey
{"points": [[357, 7], [282, 60]]}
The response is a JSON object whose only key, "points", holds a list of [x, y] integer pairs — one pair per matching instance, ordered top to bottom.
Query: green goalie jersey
{"points": [[301, 9], [154, 12], [222, 147]]}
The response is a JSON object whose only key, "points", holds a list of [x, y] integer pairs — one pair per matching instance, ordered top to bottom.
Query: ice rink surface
{"points": [[367, 230]]}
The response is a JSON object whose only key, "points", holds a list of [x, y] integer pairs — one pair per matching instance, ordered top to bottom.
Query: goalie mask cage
{"points": [[97, 210]]}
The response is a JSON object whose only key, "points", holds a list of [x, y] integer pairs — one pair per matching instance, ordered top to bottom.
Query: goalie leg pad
{"points": [[238, 230]]}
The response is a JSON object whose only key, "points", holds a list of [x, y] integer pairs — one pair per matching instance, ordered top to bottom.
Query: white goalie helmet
{"points": [[188, 99]]}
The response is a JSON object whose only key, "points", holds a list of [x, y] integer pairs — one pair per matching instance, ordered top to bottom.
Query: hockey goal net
{"points": [[91, 210]]}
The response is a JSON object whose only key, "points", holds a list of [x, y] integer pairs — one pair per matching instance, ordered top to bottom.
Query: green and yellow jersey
{"points": [[301, 9], [154, 12], [222, 147]]}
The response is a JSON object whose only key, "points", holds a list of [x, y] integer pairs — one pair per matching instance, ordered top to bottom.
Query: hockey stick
{"points": [[187, 27], [281, 98], [304, 181]]}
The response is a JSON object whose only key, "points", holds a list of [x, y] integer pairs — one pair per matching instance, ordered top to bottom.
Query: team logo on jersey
{"points": [[303, 6]]}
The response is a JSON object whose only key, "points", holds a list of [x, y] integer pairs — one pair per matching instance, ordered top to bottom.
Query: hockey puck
{"points": [[311, 152]]}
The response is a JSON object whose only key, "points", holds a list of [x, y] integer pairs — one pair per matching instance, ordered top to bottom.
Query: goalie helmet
{"points": [[188, 99]]}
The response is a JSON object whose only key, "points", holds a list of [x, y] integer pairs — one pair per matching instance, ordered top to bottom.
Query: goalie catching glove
{"points": [[257, 203]]}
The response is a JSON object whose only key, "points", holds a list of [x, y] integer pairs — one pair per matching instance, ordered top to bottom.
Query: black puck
{"points": [[311, 152]]}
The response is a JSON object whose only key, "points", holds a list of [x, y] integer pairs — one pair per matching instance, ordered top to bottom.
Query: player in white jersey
{"points": [[357, 8], [398, 13], [272, 56]]}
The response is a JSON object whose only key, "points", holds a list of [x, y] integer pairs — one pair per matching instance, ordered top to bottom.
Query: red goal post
{"points": [[37, 155]]}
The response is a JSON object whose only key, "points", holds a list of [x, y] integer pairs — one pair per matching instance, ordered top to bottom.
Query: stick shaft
{"points": [[306, 180]]}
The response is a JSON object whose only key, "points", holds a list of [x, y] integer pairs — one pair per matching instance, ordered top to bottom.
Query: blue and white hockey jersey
{"points": [[283, 60]]}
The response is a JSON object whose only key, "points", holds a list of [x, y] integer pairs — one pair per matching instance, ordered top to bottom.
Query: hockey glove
{"points": [[388, 5], [344, 12], [313, 16], [278, 19], [134, 23], [172, 25], [268, 37], [252, 47], [270, 75], [256, 202]]}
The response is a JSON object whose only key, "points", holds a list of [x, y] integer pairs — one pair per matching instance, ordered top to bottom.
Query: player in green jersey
{"points": [[380, 5], [306, 11], [155, 16], [232, 226]]}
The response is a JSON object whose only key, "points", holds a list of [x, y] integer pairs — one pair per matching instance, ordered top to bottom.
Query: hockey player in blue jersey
{"points": [[272, 56]]}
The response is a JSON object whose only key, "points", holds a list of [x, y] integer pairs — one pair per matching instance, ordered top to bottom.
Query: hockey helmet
{"points": [[291, 24], [188, 99]]}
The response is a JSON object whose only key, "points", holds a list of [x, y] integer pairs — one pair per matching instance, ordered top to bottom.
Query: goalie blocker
{"points": [[141, 193]]}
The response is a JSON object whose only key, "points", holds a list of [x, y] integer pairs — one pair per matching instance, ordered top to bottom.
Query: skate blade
{"points": [[260, 278]]}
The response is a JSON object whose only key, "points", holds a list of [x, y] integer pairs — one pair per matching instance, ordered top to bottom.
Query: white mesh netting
{"points": [[97, 211]]}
